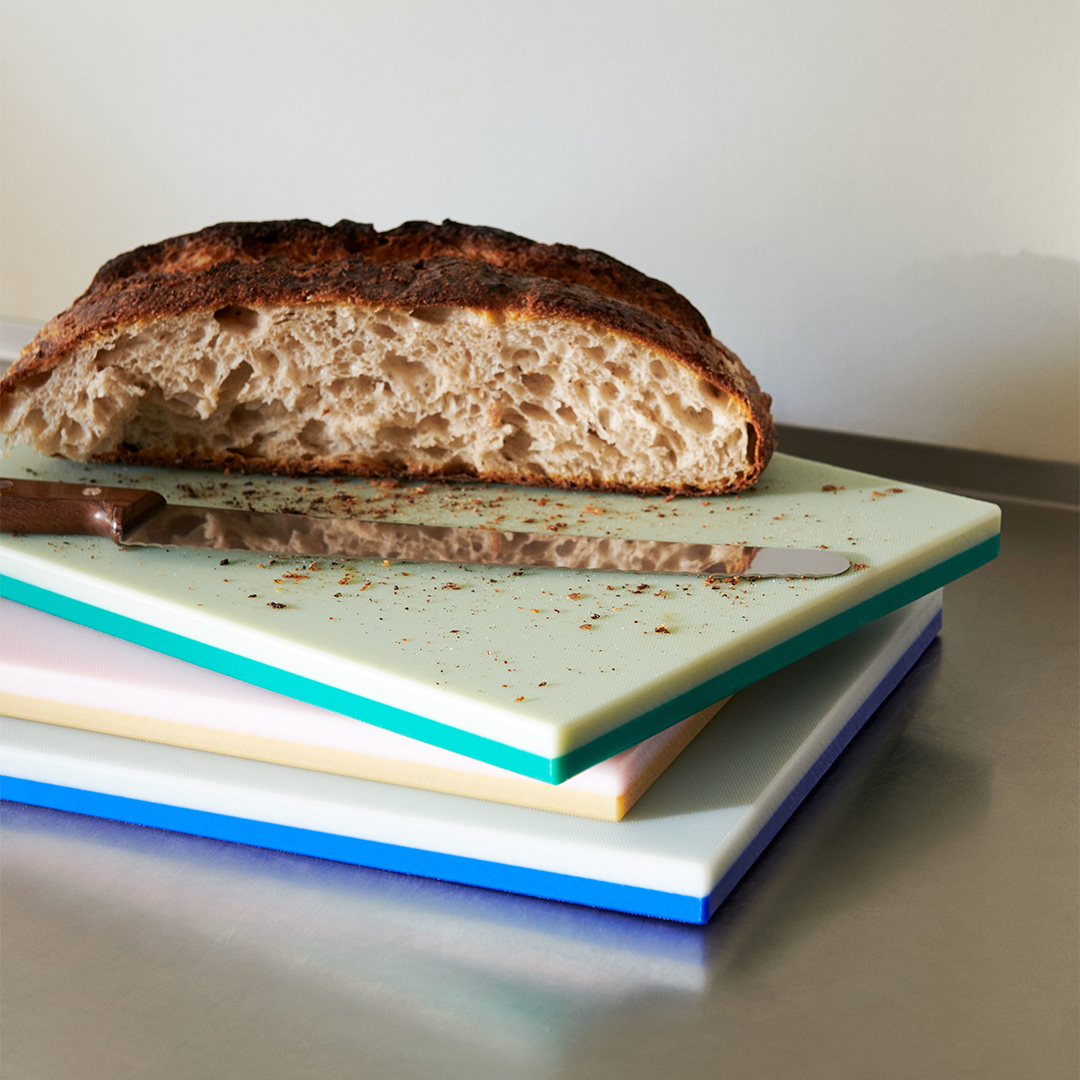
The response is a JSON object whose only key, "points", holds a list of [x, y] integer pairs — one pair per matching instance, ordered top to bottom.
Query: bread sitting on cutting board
{"points": [[447, 351]]}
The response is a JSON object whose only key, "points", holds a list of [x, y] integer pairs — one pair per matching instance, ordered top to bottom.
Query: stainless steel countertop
{"points": [[918, 917]]}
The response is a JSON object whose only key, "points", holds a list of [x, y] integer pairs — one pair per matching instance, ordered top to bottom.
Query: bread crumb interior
{"points": [[435, 391]]}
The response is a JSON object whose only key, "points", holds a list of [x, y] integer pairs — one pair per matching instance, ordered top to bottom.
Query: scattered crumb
{"points": [[661, 630]]}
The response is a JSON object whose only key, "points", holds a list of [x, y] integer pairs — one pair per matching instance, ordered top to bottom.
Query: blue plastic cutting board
{"points": [[542, 672]]}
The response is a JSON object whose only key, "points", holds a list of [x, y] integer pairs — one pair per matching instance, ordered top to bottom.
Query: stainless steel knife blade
{"points": [[142, 518]]}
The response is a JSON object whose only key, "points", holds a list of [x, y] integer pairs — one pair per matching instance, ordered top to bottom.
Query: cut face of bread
{"points": [[449, 366]]}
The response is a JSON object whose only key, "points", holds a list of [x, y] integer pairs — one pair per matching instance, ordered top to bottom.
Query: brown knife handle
{"points": [[41, 506]]}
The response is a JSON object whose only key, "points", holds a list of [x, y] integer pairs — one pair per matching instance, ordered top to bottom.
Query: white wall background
{"points": [[875, 204]]}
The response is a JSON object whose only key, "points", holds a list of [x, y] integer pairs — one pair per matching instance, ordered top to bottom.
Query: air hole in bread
{"points": [[436, 316], [238, 320], [266, 361], [412, 375], [235, 381], [35, 382], [537, 383], [184, 404], [534, 411], [699, 420], [35, 422], [243, 424], [432, 425], [72, 429], [313, 436], [395, 436], [516, 446], [458, 466]]}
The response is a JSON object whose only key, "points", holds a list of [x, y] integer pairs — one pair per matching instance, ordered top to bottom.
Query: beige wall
{"points": [[875, 204]]}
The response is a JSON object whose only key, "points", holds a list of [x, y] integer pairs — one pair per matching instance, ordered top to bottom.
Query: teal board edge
{"points": [[780, 656], [412, 725]]}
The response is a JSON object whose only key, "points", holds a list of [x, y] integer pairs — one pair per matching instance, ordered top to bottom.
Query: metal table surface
{"points": [[918, 917]]}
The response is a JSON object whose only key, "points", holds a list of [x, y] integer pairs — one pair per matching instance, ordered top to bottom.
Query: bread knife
{"points": [[136, 517]]}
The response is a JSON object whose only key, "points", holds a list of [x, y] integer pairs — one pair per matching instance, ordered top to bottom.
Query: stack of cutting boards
{"points": [[624, 742]]}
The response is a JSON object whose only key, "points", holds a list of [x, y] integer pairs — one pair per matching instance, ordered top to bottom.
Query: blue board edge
{"points": [[535, 766], [816, 771], [346, 849], [460, 869]]}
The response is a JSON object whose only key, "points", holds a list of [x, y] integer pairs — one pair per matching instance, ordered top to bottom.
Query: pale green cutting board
{"points": [[543, 672]]}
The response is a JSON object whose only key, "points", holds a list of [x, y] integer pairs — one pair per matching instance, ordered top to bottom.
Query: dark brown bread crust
{"points": [[306, 242], [415, 266]]}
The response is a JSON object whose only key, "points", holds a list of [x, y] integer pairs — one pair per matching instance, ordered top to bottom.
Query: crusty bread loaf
{"points": [[446, 351]]}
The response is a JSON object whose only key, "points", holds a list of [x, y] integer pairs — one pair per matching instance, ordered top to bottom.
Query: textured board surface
{"points": [[541, 672], [62, 673], [675, 855]]}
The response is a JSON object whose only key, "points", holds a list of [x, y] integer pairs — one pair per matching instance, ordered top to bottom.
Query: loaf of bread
{"points": [[446, 351]]}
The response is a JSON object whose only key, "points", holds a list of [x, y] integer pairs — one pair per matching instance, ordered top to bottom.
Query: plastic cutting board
{"points": [[540, 672], [62, 673], [675, 855]]}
